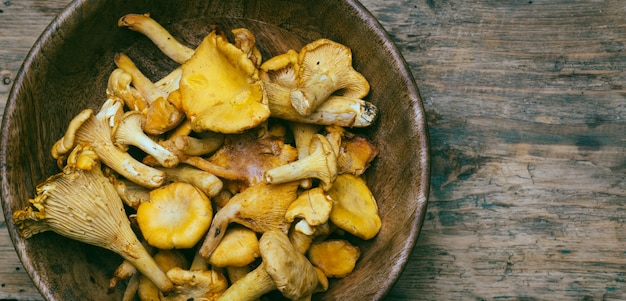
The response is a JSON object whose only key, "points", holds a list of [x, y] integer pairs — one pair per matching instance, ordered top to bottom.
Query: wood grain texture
{"points": [[525, 103]]}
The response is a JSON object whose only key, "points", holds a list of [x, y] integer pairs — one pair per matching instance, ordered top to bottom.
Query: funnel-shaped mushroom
{"points": [[325, 67], [220, 87], [84, 206], [177, 216], [282, 268]]}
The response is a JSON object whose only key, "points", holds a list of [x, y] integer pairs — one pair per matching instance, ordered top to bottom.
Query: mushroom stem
{"points": [[144, 24], [129, 132], [320, 164], [250, 287]]}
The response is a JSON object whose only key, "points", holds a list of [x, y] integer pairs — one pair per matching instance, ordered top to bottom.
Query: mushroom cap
{"points": [[220, 87], [312, 205], [355, 209], [177, 216], [238, 248], [336, 258], [293, 274]]}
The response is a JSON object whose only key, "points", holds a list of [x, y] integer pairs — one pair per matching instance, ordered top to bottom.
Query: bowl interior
{"points": [[67, 70]]}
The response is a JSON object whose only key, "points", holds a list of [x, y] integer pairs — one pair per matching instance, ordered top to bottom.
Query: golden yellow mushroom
{"points": [[177, 216]]}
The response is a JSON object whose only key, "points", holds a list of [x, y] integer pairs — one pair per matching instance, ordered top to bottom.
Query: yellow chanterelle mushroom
{"points": [[220, 88], [83, 205], [355, 209], [177, 216], [336, 258]]}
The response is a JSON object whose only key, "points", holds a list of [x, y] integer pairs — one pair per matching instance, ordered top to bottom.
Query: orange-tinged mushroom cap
{"points": [[220, 88], [177, 216]]}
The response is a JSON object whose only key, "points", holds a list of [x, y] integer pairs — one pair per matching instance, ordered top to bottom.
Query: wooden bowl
{"points": [[67, 70]]}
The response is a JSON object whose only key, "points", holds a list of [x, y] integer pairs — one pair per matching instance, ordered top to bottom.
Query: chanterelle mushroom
{"points": [[325, 67], [220, 87], [96, 130], [129, 131], [320, 164], [83, 205], [260, 207], [355, 209], [177, 216], [336, 257], [282, 268]]}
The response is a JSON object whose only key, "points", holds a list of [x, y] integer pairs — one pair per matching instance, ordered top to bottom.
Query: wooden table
{"points": [[526, 107]]}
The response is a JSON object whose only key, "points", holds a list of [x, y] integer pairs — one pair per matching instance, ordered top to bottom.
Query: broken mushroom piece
{"points": [[149, 27], [325, 67], [221, 89], [129, 131], [97, 132], [320, 164], [84, 206], [260, 207], [355, 209], [177, 216], [336, 257], [282, 268]]}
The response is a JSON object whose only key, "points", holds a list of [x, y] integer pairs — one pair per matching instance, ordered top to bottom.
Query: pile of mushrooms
{"points": [[249, 163]]}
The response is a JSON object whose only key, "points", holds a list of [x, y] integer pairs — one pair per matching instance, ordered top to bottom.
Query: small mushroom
{"points": [[149, 27], [325, 67], [119, 85], [221, 89], [161, 114], [129, 131], [97, 132], [354, 152], [320, 164], [83, 205], [313, 206], [260, 207], [355, 209], [177, 216], [238, 248], [336, 257], [283, 268]]}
